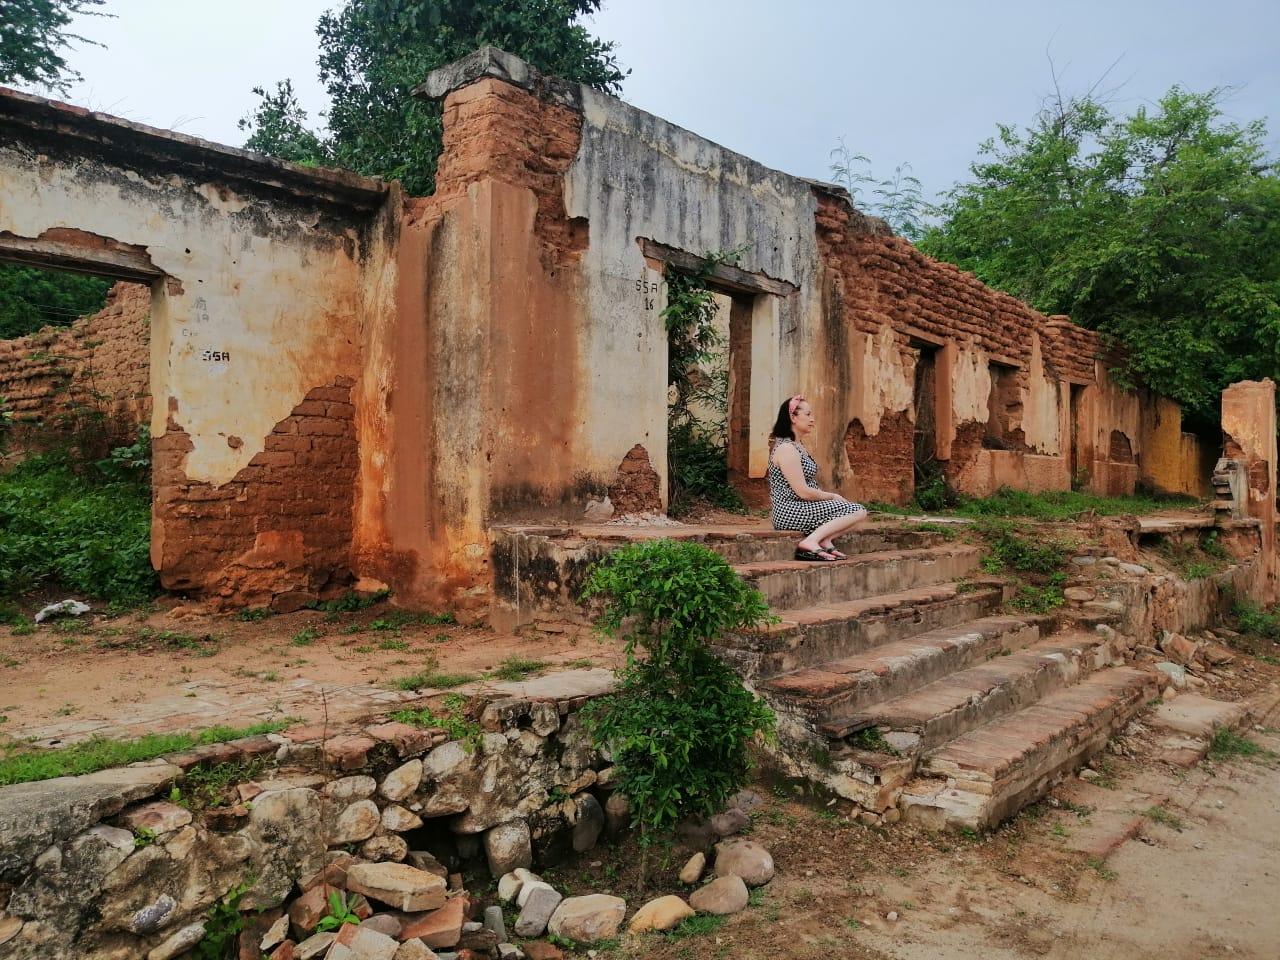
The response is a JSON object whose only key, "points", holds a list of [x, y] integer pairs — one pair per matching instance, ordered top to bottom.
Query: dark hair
{"points": [[782, 429]]}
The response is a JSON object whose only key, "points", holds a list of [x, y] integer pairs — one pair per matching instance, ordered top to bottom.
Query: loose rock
{"points": [[402, 781], [350, 789], [397, 819], [357, 822], [588, 822], [730, 822], [508, 846], [390, 847], [746, 859], [691, 873], [397, 885], [723, 895], [540, 902], [664, 913], [588, 919], [493, 920], [439, 928], [180, 942], [362, 943], [314, 945], [415, 950]]}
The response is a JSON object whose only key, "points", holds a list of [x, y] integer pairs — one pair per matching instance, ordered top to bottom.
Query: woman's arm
{"points": [[788, 460]]}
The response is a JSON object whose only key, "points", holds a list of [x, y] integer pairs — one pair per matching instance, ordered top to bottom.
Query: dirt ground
{"points": [[161, 671]]}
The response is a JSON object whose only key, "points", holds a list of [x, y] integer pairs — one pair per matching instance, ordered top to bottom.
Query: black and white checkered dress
{"points": [[792, 513]]}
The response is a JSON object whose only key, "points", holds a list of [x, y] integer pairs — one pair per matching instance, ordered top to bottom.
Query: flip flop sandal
{"points": [[835, 553], [819, 556]]}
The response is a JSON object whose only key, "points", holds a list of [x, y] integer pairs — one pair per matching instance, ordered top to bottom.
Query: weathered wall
{"points": [[255, 269], [90, 377], [1249, 430]]}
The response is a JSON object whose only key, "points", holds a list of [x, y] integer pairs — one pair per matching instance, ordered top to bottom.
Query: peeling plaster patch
{"points": [[222, 199], [882, 384], [970, 386], [1041, 417]]}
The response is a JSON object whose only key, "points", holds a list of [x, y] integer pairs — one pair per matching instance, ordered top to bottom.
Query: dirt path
{"points": [[172, 671], [1196, 878]]}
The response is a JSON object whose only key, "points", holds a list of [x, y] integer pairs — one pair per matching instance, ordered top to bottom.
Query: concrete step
{"points": [[772, 546], [791, 584], [812, 635], [839, 688], [930, 716], [988, 774]]}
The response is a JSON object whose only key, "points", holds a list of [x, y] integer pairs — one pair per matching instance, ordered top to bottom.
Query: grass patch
{"points": [[1064, 505], [71, 529], [350, 602], [254, 614], [305, 637], [393, 643], [518, 668], [431, 678], [452, 721], [872, 740], [1229, 745], [101, 753], [1162, 816], [696, 926]]}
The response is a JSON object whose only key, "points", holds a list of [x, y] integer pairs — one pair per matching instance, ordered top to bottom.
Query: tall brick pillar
{"points": [[1249, 435]]}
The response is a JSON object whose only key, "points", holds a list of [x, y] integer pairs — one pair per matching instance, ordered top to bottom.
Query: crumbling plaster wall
{"points": [[638, 176], [256, 304], [1249, 429]]}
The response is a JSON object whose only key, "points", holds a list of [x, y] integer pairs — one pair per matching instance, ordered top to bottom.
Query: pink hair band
{"points": [[793, 403]]}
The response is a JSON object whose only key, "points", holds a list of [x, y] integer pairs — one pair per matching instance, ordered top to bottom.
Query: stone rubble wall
{"points": [[90, 377], [127, 863]]}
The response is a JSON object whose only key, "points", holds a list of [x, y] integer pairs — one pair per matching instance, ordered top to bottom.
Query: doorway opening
{"points": [[708, 394], [1079, 456], [931, 491]]}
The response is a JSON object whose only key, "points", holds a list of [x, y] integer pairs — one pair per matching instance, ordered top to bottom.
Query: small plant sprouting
{"points": [[339, 913]]}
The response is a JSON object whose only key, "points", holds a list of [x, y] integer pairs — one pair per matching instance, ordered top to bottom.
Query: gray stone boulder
{"points": [[507, 846], [538, 901]]}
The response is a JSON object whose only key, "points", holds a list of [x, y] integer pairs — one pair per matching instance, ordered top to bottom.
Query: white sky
{"points": [[923, 82]]}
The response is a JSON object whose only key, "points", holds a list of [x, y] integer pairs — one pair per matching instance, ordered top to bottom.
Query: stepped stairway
{"points": [[901, 682]]}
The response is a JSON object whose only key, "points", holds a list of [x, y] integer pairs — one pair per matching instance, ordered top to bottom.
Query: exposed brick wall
{"points": [[495, 130], [63, 378], [883, 465], [637, 489], [281, 525]]}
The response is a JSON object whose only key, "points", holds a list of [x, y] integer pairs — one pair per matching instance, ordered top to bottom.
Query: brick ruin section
{"points": [[493, 130], [874, 278], [91, 379], [888, 474], [638, 488], [280, 531]]}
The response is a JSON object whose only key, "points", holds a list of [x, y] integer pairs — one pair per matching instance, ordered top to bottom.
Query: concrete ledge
{"points": [[500, 65]]}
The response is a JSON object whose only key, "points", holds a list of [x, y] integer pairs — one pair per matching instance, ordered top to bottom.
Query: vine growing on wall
{"points": [[698, 392]]}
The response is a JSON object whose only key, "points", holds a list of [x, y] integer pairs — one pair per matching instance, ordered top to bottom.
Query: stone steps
{"points": [[774, 546], [791, 584], [811, 635], [840, 687], [933, 714], [987, 774]]}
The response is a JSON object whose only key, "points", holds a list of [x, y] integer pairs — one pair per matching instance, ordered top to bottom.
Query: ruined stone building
{"points": [[346, 382]]}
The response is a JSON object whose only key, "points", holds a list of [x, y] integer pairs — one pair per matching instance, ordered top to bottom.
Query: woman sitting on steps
{"points": [[798, 503]]}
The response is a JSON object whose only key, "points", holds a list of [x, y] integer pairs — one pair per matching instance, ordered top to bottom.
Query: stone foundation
{"points": [[130, 862]]}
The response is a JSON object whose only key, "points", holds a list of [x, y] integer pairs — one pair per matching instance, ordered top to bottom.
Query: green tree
{"points": [[33, 36], [374, 52], [278, 126], [897, 200], [1160, 229], [31, 298]]}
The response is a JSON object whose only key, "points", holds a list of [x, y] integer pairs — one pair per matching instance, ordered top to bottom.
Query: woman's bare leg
{"points": [[832, 529]]}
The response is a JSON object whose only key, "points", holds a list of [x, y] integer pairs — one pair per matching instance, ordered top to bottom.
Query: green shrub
{"points": [[63, 528], [1007, 548], [680, 723]]}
